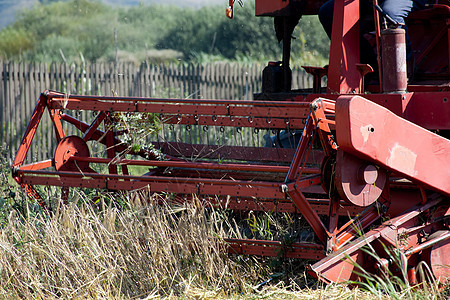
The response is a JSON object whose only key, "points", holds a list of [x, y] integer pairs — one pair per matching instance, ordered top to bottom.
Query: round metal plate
{"points": [[71, 146], [358, 182], [440, 260]]}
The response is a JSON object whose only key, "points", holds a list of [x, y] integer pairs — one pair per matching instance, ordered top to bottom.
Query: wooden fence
{"points": [[21, 84]]}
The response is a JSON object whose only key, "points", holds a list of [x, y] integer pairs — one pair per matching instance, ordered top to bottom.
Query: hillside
{"points": [[192, 3], [9, 8]]}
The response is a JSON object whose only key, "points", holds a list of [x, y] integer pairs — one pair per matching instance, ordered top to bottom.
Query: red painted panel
{"points": [[266, 7], [287, 7], [343, 77], [393, 102], [430, 110], [372, 132]]}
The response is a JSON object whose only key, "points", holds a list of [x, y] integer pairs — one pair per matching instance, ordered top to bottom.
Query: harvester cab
{"points": [[367, 163]]}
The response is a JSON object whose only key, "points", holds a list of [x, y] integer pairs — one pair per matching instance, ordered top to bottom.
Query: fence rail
{"points": [[21, 84]]}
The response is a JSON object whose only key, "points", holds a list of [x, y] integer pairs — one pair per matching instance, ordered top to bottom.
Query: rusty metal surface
{"points": [[395, 78], [69, 148], [363, 189], [275, 248], [338, 267]]}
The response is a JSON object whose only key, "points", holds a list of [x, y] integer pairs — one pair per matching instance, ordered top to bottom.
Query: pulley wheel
{"points": [[68, 147], [358, 182], [440, 260]]}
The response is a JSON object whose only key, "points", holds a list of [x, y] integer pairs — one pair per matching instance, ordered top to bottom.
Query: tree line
{"points": [[78, 30]]}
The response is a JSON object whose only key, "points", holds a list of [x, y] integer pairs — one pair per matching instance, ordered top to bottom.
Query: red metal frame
{"points": [[343, 76], [317, 124], [362, 125]]}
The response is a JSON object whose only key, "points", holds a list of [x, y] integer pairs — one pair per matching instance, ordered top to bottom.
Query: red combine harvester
{"points": [[363, 164]]}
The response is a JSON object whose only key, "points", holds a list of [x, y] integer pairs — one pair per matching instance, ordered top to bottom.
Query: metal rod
{"points": [[378, 43], [56, 97], [30, 131], [300, 152], [193, 165], [242, 183], [310, 215], [427, 244]]}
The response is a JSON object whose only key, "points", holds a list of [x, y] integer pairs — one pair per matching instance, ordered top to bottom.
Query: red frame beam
{"points": [[343, 77], [275, 249]]}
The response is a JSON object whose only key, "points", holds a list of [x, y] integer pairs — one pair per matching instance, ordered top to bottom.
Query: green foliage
{"points": [[65, 29], [68, 30], [193, 31], [208, 31], [248, 35], [14, 41], [315, 41], [137, 128], [7, 192], [12, 197]]}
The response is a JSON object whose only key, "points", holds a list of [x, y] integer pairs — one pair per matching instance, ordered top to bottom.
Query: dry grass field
{"points": [[126, 246]]}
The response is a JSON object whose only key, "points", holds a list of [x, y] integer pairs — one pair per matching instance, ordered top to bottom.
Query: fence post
{"points": [[3, 85]]}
